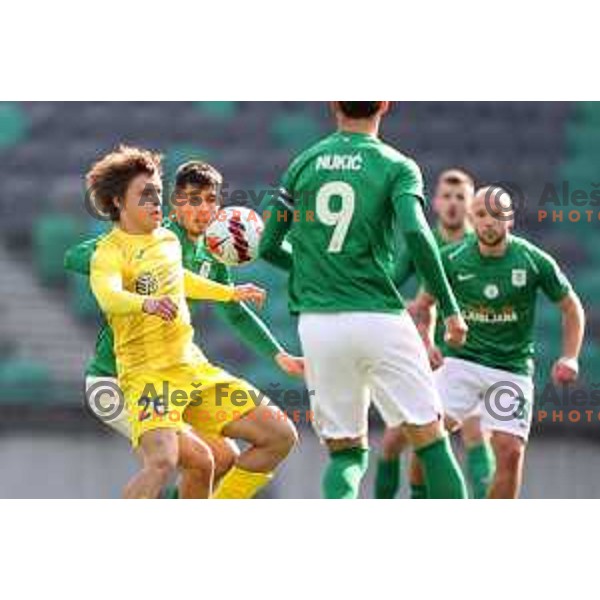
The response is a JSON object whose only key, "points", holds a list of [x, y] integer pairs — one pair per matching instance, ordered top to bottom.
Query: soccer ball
{"points": [[234, 236]]}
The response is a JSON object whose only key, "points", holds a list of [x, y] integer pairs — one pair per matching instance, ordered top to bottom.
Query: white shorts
{"points": [[355, 358], [503, 400], [106, 403]]}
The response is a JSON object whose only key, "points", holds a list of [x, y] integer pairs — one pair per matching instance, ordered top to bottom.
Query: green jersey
{"points": [[344, 190], [196, 258], [405, 267], [498, 297]]}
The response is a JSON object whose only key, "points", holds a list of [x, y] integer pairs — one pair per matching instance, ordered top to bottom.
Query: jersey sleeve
{"points": [[408, 181], [273, 247], [425, 253], [78, 259], [405, 267], [106, 279], [552, 280], [200, 288]]}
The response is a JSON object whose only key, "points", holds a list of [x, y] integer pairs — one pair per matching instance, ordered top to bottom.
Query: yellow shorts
{"points": [[203, 396]]}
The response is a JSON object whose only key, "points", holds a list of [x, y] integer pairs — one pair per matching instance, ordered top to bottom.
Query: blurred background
{"points": [[51, 448]]}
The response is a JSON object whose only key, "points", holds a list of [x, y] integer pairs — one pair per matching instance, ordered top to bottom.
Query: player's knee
{"points": [[472, 433], [394, 442], [509, 455]]}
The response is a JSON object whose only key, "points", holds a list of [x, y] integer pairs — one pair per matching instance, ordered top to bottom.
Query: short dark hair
{"points": [[360, 110], [198, 174], [110, 177], [457, 177]]}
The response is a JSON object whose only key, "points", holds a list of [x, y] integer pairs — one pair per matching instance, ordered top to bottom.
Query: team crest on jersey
{"points": [[205, 268], [519, 277], [146, 284], [491, 292]]}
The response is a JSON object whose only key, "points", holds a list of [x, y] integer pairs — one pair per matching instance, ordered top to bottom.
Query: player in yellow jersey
{"points": [[167, 382]]}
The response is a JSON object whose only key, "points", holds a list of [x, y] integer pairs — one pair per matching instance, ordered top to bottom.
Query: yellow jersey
{"points": [[127, 270]]}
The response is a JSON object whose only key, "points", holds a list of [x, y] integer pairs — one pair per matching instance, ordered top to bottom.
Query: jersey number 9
{"points": [[340, 219]]}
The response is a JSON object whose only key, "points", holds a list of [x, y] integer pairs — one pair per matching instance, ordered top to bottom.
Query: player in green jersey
{"points": [[454, 194], [340, 202], [195, 206], [497, 277]]}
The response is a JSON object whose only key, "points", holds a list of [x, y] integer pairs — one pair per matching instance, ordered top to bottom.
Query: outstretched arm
{"points": [[200, 288]]}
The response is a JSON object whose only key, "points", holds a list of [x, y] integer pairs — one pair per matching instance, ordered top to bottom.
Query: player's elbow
{"points": [[106, 299], [572, 305], [572, 309]]}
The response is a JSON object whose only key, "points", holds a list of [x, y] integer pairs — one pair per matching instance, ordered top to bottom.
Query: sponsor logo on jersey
{"points": [[340, 162], [465, 277], [519, 277], [146, 284], [491, 291], [484, 315]]}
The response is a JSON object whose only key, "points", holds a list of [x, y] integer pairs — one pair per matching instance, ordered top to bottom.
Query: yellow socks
{"points": [[239, 484]]}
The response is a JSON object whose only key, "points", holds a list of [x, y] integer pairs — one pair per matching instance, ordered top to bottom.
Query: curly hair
{"points": [[110, 177]]}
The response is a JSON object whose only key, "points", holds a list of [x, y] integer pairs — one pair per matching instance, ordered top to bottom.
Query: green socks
{"points": [[481, 466], [344, 474], [443, 476], [387, 478]]}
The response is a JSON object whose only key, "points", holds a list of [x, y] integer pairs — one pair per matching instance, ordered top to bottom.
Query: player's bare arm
{"points": [[566, 368]]}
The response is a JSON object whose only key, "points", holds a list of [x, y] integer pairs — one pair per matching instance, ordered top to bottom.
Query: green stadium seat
{"points": [[225, 109], [588, 112], [13, 124], [295, 131], [583, 139], [178, 155], [581, 171], [52, 236], [23, 380]]}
